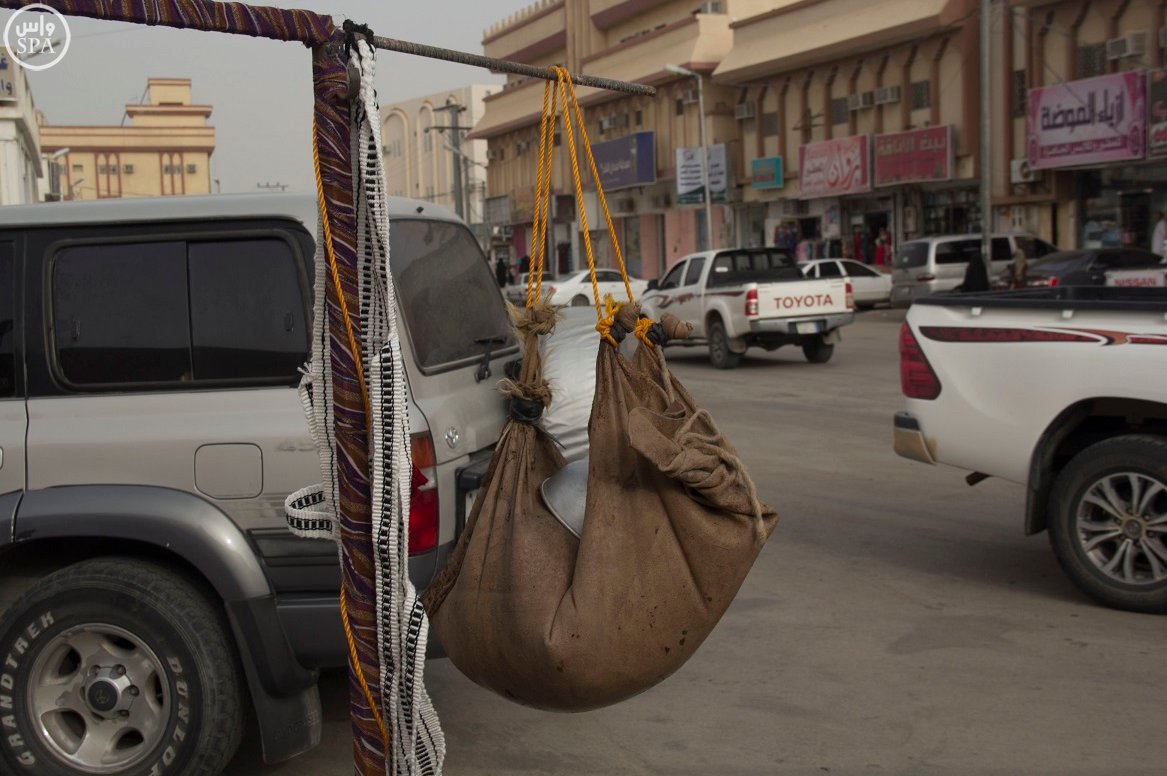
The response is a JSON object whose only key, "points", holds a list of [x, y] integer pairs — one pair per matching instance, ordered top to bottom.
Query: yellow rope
{"points": [[562, 75], [599, 190], [535, 269], [642, 327], [352, 341]]}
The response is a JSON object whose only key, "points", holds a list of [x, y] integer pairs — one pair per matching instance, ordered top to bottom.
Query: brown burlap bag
{"points": [[673, 525]]}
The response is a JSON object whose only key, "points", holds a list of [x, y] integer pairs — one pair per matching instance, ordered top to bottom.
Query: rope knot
{"points": [[609, 329]]}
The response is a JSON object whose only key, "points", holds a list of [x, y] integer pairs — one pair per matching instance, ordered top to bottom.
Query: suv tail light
{"points": [[927, 277], [1053, 281], [850, 299], [752, 302], [917, 380], [423, 495]]}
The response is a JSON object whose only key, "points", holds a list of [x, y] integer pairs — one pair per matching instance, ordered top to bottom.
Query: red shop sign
{"points": [[914, 156]]}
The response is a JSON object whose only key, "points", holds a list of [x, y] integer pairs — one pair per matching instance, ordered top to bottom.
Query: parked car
{"points": [[932, 264], [1087, 267], [869, 286], [575, 289], [745, 297], [150, 429]]}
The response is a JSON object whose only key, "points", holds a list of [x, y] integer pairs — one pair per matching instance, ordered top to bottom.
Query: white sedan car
{"points": [[869, 285], [575, 289]]}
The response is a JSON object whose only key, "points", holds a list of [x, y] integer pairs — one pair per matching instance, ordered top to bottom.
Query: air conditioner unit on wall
{"points": [[1133, 44], [887, 95], [689, 96], [860, 100], [743, 110], [492, 154], [1021, 172], [625, 205]]}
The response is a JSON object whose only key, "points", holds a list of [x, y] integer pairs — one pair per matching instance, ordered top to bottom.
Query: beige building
{"points": [[631, 41], [20, 145], [163, 147], [422, 158]]}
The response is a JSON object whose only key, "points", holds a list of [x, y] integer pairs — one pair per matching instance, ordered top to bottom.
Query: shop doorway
{"points": [[1135, 215], [874, 225]]}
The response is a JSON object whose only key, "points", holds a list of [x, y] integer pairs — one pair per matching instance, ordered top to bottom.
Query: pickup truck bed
{"points": [[1061, 390]]}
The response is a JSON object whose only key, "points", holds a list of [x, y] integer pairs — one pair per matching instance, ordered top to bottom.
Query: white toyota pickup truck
{"points": [[745, 297], [1061, 390]]}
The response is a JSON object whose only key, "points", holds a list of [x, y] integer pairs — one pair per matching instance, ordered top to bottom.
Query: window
{"points": [[1091, 60], [1020, 93], [921, 95], [680, 108], [839, 111], [638, 117], [770, 124], [557, 139], [427, 140], [78, 168], [102, 169], [128, 169], [167, 169], [191, 169], [1000, 250], [958, 251], [913, 254], [829, 269], [857, 270], [693, 273], [608, 276], [673, 278], [447, 292], [172, 312], [120, 313], [7, 321], [237, 333]]}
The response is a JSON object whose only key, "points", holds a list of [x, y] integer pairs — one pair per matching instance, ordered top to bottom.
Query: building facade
{"points": [[840, 127], [637, 138], [20, 144], [163, 147], [426, 158]]}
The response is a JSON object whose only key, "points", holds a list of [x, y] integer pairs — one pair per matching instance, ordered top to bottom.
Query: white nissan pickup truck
{"points": [[744, 297], [1061, 390]]}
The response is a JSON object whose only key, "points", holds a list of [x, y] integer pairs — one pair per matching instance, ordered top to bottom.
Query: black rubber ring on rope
{"points": [[351, 30], [617, 332], [656, 334], [526, 410]]}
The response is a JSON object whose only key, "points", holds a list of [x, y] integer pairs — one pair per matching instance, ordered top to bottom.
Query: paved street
{"points": [[898, 622]]}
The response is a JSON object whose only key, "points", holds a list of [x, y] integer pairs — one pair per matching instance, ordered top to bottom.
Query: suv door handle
{"points": [[1, 457]]}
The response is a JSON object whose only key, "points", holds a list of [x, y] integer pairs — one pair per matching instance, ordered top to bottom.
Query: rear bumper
{"points": [[820, 323], [909, 440]]}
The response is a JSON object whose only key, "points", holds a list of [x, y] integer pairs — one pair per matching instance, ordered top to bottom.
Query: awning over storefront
{"points": [[806, 32]]}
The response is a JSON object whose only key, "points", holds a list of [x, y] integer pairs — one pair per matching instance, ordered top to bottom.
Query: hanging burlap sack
{"points": [[673, 525]]}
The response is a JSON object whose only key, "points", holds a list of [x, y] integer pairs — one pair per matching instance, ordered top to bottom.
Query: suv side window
{"points": [[1000, 249], [957, 251], [246, 310], [120, 313], [165, 313], [7, 321]]}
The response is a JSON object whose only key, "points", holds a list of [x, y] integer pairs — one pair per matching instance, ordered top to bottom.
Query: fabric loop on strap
{"points": [[526, 410]]}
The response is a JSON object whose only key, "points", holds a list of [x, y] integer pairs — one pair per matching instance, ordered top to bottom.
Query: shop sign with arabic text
{"points": [[1157, 113], [1091, 121], [834, 167]]}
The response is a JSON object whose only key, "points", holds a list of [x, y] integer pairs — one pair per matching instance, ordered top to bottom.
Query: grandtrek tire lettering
{"points": [[799, 302], [108, 630]]}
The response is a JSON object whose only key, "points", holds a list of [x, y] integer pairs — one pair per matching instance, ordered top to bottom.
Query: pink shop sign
{"points": [[1091, 121], [834, 167]]}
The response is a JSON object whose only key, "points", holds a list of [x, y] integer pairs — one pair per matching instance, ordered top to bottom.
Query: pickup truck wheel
{"points": [[579, 300], [817, 351], [719, 353], [1108, 522], [116, 666]]}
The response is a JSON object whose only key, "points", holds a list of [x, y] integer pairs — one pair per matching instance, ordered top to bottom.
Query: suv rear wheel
{"points": [[719, 353], [1108, 522], [117, 666]]}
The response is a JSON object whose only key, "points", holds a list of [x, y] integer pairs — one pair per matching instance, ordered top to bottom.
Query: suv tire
{"points": [[1110, 504], [117, 665]]}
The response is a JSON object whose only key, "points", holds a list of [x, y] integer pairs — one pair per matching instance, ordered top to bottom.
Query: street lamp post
{"points": [[707, 195]]}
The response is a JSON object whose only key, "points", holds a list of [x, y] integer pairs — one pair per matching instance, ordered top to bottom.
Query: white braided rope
{"points": [[417, 746]]}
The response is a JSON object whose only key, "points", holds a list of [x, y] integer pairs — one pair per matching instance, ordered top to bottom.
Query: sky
{"points": [[261, 90]]}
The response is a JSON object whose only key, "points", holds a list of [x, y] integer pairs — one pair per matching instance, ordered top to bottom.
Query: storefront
{"points": [[1096, 128], [915, 169], [836, 174]]}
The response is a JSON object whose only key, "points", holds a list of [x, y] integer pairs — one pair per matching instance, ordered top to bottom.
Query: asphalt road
{"points": [[898, 622]]}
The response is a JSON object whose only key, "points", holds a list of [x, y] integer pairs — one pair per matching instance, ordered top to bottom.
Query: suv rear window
{"points": [[958, 251], [913, 254], [447, 292], [155, 313]]}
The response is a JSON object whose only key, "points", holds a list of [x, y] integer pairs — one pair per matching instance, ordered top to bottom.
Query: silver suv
{"points": [[933, 264], [150, 430]]}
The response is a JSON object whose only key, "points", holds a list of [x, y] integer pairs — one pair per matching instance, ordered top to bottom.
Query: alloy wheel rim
{"points": [[1121, 527], [98, 698]]}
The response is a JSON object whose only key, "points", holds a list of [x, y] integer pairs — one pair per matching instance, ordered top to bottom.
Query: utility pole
{"points": [[453, 109], [986, 145], [711, 242]]}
